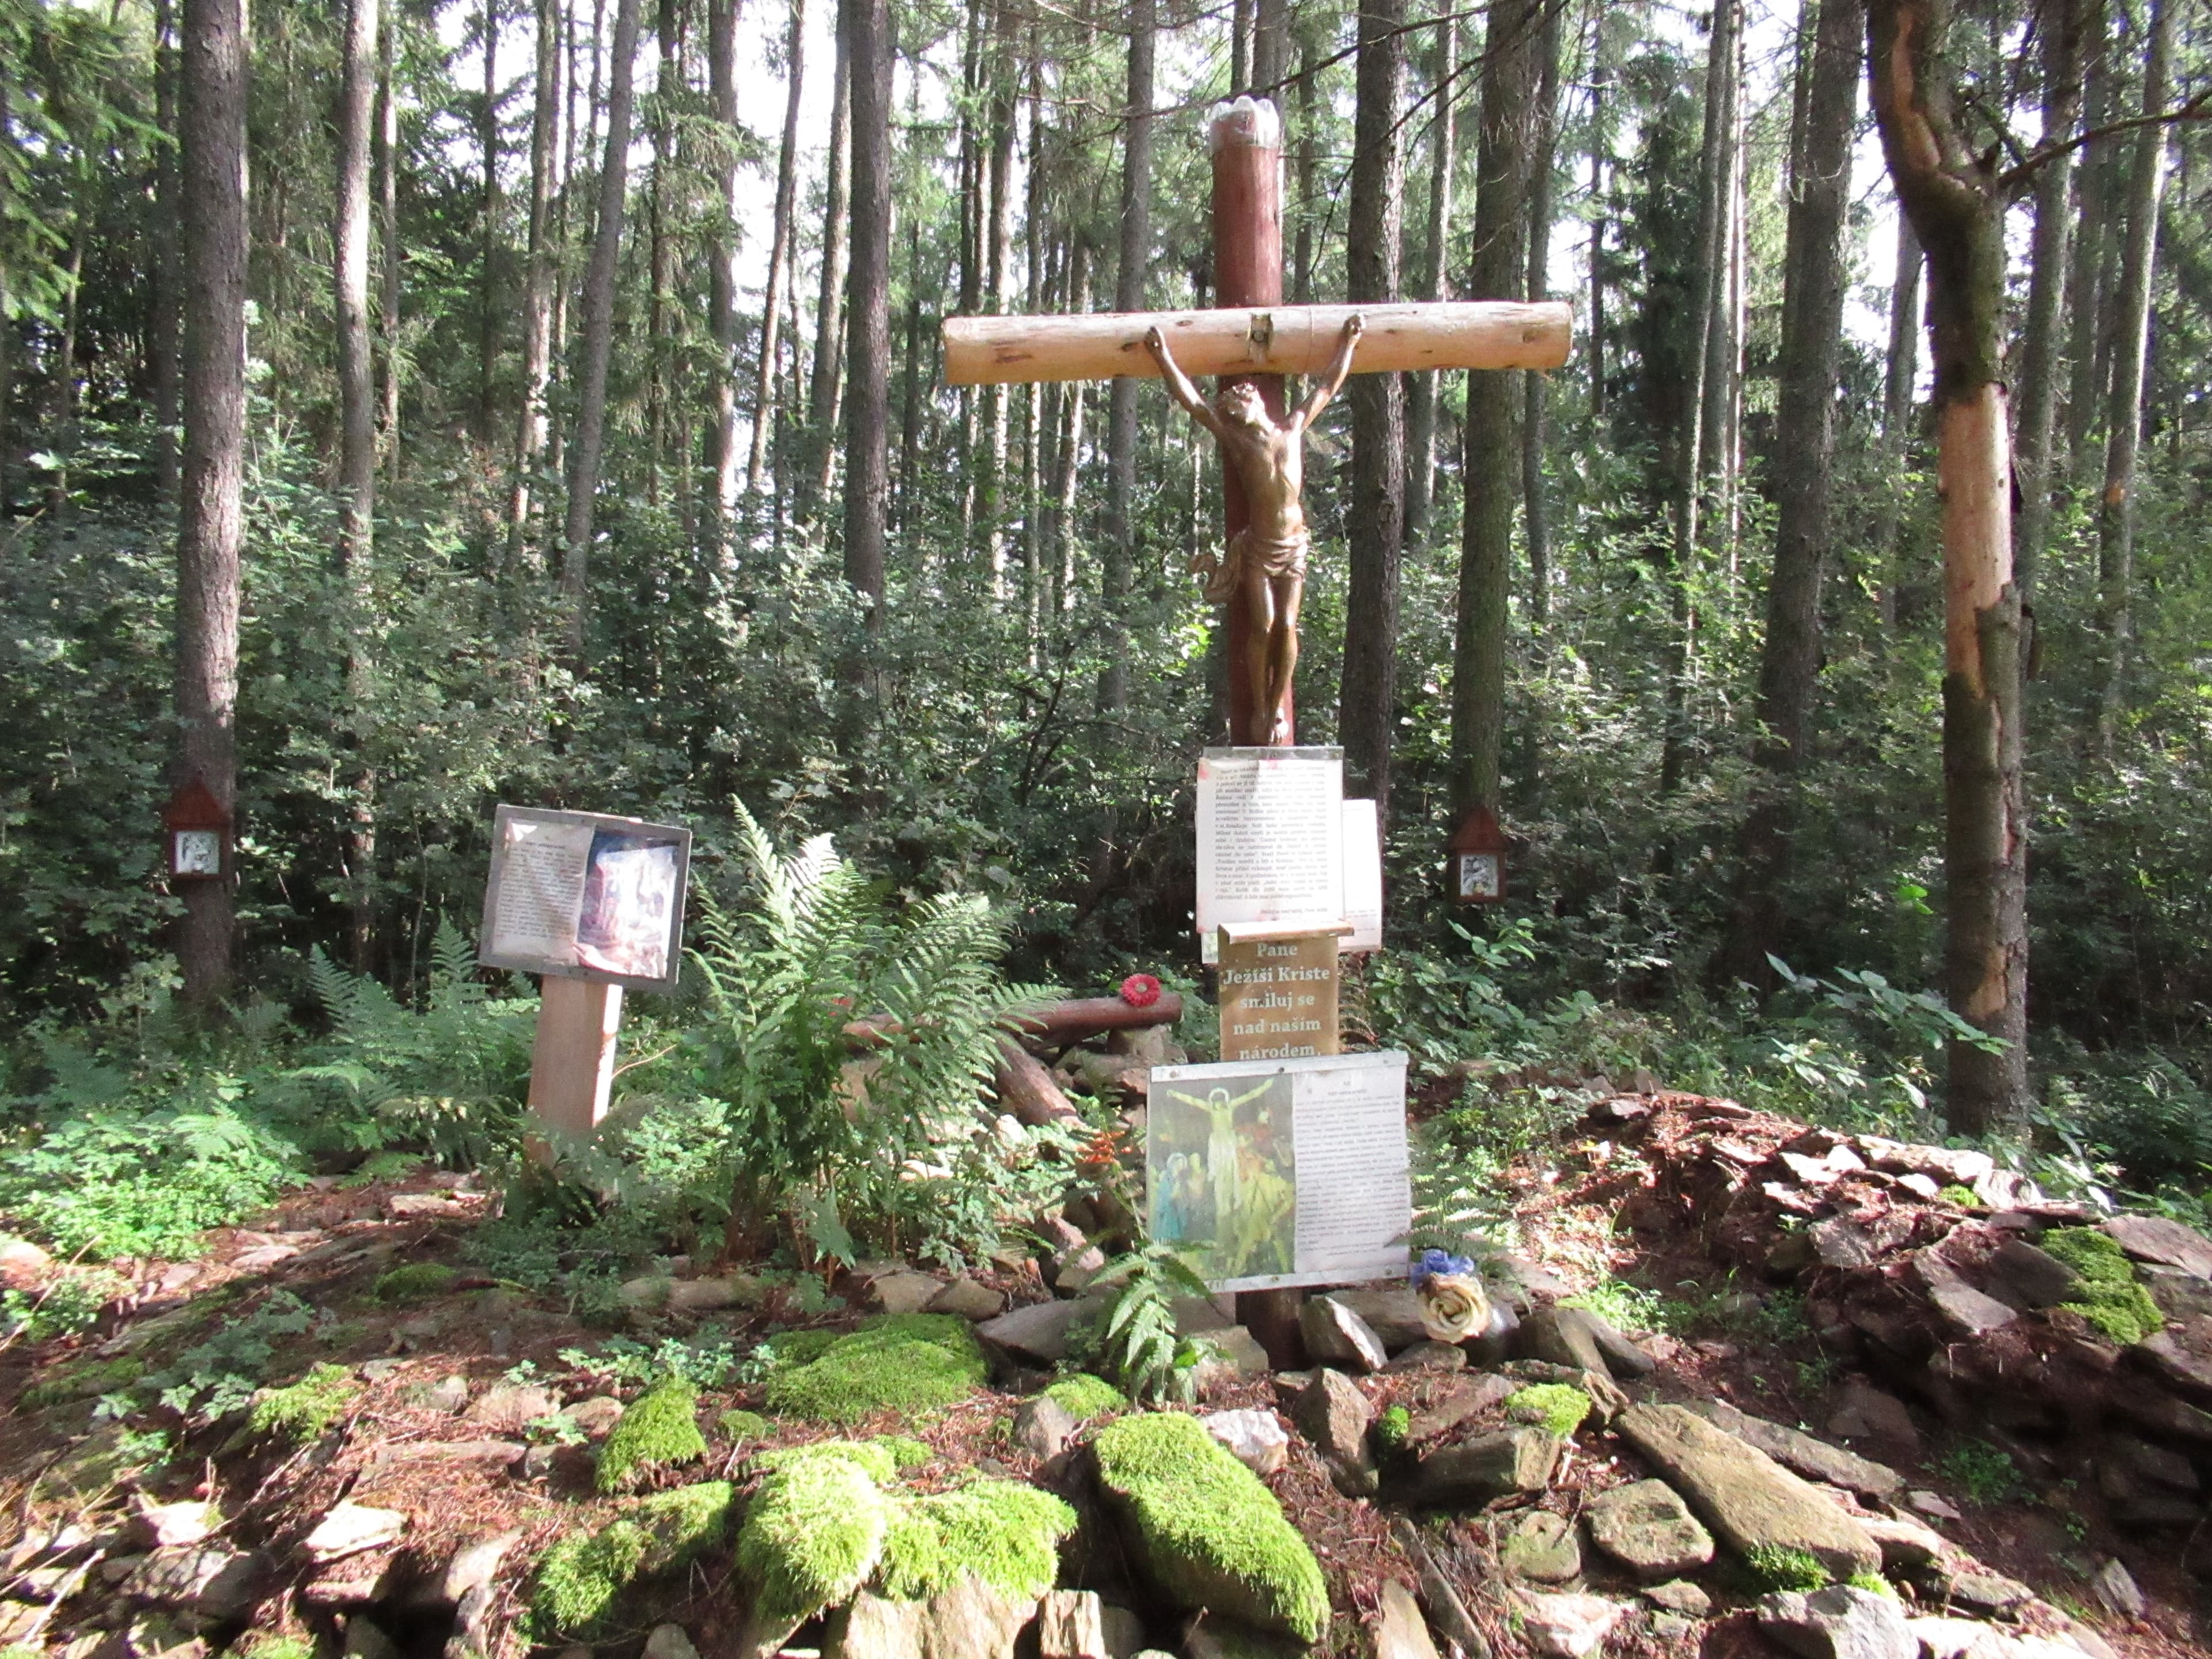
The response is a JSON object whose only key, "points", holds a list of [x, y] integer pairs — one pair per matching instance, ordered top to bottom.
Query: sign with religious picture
{"points": [[198, 832], [1270, 840], [1477, 851], [1363, 877], [586, 895], [1278, 995], [1281, 1173]]}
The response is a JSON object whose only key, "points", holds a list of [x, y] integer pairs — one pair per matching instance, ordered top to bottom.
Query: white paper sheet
{"points": [[1363, 877], [541, 890]]}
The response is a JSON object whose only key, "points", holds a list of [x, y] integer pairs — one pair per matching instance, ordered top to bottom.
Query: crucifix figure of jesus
{"points": [[1264, 562]]}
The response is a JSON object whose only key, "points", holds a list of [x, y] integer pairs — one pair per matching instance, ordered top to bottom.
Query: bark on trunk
{"points": [[2061, 29], [867, 49], [1600, 71], [1952, 197], [389, 253], [779, 253], [1498, 272], [1706, 281], [487, 292], [2085, 292], [598, 328], [162, 342], [1900, 375], [1421, 389], [824, 395], [532, 419], [723, 454], [356, 470], [1803, 472], [1535, 509], [2116, 510], [210, 527], [1119, 563], [1367, 705]]}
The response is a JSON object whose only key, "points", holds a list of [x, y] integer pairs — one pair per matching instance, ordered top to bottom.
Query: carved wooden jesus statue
{"points": [[1266, 559]]}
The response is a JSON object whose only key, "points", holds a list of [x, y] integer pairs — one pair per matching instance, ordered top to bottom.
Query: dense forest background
{"points": [[593, 452]]}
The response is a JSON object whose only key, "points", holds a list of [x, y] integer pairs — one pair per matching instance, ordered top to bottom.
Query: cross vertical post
{"points": [[1245, 139]]}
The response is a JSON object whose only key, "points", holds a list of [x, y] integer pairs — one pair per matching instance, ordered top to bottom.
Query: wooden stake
{"points": [[572, 1062]]}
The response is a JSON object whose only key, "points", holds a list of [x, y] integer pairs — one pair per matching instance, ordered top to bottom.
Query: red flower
{"points": [[1140, 990]]}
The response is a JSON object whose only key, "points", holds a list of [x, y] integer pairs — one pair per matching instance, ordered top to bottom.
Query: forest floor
{"points": [[470, 1409]]}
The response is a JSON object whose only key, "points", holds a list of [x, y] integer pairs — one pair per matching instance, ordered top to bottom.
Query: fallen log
{"points": [[1048, 1025], [1026, 1089]]}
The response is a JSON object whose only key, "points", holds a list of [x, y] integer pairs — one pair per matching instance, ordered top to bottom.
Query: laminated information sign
{"points": [[1270, 839], [586, 895], [1280, 1173]]}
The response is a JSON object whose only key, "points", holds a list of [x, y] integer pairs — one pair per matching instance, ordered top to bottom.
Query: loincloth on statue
{"points": [[1272, 556]]}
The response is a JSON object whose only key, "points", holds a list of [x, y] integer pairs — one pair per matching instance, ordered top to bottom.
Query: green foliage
{"points": [[1962, 1196], [418, 1281], [2109, 1297], [61, 1306], [1625, 1307], [1137, 1343], [706, 1358], [907, 1362], [218, 1375], [86, 1380], [1083, 1396], [1559, 1407], [303, 1410], [740, 1427], [1391, 1427], [658, 1430], [907, 1453], [1983, 1474], [1191, 1502], [813, 1531], [1003, 1533], [1773, 1567], [583, 1575], [1873, 1582], [269, 1644]]}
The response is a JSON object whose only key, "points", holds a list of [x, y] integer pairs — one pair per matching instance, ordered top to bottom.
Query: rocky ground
{"points": [[1823, 1395]]}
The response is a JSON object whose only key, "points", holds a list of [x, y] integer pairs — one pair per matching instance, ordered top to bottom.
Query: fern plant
{"points": [[848, 1038], [1137, 1346]]}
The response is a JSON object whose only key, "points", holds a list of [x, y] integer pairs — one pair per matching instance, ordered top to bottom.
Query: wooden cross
{"points": [[1251, 337]]}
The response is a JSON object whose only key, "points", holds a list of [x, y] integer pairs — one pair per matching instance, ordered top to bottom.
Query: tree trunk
{"points": [[2060, 27], [668, 35], [1271, 48], [867, 53], [722, 70], [1599, 137], [1958, 211], [779, 252], [389, 253], [1302, 259], [543, 271], [1813, 274], [1705, 277], [2085, 290], [488, 291], [599, 329], [162, 341], [1901, 372], [1421, 389], [823, 396], [62, 422], [1493, 456], [357, 472], [990, 492], [1535, 508], [2116, 512], [210, 526], [1119, 564], [1367, 705]]}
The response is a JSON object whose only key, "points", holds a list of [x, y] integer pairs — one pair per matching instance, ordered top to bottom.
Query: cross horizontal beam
{"points": [[1271, 340]]}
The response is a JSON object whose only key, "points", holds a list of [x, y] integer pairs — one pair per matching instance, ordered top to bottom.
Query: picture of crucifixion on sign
{"points": [[1222, 1177]]}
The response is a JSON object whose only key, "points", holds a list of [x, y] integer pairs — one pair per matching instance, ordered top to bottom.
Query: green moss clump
{"points": [[1962, 1196], [418, 1281], [2109, 1297], [802, 1347], [905, 1363], [85, 1381], [1083, 1396], [1559, 1407], [305, 1408], [741, 1427], [1391, 1427], [659, 1428], [907, 1453], [873, 1459], [814, 1531], [1006, 1533], [1213, 1535], [1775, 1568], [580, 1578], [1866, 1579], [262, 1644]]}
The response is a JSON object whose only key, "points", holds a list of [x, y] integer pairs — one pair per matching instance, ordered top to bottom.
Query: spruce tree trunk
{"points": [[2061, 30], [668, 35], [867, 48], [1957, 209], [1301, 245], [779, 252], [389, 253], [1499, 272], [1813, 274], [1434, 283], [1706, 284], [2086, 296], [488, 299], [1594, 324], [598, 328], [162, 341], [1900, 373], [824, 395], [532, 418], [723, 457], [991, 469], [356, 470], [1535, 508], [2116, 512], [211, 525], [1119, 565], [1367, 705]]}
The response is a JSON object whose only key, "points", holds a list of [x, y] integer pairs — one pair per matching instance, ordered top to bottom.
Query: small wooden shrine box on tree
{"points": [[196, 831], [1478, 859]]}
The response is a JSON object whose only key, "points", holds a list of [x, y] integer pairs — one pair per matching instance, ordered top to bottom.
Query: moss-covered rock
{"points": [[417, 1281], [2109, 1297], [905, 1363], [86, 1380], [1084, 1396], [1559, 1407], [302, 1410], [741, 1427], [660, 1429], [907, 1452], [814, 1530], [1206, 1531], [1002, 1532], [583, 1575]]}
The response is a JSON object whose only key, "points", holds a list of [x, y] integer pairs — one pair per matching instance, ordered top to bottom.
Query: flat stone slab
{"points": [[2158, 1238], [1039, 1331], [1335, 1335], [2182, 1356], [1461, 1401], [1814, 1459], [1488, 1467], [1746, 1497], [1648, 1528], [1541, 1548], [1840, 1622]]}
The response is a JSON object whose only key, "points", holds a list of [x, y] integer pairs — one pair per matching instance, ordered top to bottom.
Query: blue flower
{"points": [[1435, 1263]]}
